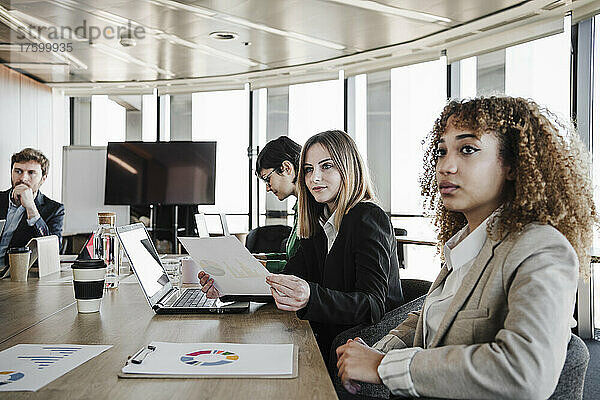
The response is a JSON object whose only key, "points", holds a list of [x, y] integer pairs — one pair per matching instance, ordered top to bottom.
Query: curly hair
{"points": [[552, 171]]}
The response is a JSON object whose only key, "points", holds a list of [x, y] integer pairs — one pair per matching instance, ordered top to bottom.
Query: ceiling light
{"points": [[185, 7], [400, 12], [208, 13], [112, 18], [288, 34], [222, 35], [208, 50], [122, 56]]}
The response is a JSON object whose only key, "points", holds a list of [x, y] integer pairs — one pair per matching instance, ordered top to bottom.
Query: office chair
{"points": [[223, 218], [268, 239], [370, 334], [572, 377], [570, 383]]}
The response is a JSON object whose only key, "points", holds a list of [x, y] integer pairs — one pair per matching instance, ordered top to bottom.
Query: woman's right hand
{"points": [[207, 285]]}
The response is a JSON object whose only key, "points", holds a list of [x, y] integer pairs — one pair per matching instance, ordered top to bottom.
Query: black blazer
{"points": [[52, 214], [357, 282]]}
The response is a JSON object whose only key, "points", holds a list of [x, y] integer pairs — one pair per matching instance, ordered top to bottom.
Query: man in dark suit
{"points": [[27, 211]]}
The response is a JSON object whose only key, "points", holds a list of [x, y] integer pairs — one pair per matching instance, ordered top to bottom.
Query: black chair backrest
{"points": [[268, 239]]}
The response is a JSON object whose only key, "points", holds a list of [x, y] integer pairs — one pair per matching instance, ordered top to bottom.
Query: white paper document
{"points": [[230, 264], [216, 359], [29, 367]]}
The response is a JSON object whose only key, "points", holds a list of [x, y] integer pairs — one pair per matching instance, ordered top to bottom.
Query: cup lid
{"points": [[16, 250], [94, 263]]}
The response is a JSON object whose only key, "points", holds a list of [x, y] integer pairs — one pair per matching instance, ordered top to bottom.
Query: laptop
{"points": [[223, 219], [2, 222], [201, 225], [162, 296]]}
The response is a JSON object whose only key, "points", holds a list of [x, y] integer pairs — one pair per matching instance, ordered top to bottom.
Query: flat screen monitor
{"points": [[176, 173]]}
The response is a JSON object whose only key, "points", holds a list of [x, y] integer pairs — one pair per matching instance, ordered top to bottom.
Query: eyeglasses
{"points": [[267, 179]]}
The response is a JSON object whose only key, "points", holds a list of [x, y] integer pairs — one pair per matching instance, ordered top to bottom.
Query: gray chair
{"points": [[370, 334], [570, 383], [569, 386]]}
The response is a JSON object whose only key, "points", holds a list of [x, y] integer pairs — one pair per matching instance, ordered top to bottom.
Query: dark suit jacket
{"points": [[52, 214], [357, 282]]}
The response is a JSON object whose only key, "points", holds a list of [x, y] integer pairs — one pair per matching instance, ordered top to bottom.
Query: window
{"points": [[541, 70], [523, 71], [418, 97], [315, 107], [223, 117], [108, 121], [596, 161]]}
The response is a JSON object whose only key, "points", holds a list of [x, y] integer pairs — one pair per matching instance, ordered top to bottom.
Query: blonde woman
{"points": [[513, 205], [345, 271]]}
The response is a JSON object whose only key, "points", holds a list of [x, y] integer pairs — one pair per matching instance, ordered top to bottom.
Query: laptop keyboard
{"points": [[193, 298]]}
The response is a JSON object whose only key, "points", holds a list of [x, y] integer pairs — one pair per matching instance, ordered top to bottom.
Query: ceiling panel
{"points": [[176, 42]]}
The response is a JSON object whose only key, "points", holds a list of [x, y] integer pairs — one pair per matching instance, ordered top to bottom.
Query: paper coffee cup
{"points": [[18, 262], [189, 271], [88, 284]]}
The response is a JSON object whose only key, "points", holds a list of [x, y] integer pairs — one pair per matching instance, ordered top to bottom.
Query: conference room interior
{"points": [[386, 93]]}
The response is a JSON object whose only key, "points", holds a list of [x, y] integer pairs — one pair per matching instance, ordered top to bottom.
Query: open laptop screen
{"points": [[145, 260]]}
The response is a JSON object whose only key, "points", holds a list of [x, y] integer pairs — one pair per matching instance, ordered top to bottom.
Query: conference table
{"points": [[44, 311]]}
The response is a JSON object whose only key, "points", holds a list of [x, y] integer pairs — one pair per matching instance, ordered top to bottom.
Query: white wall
{"points": [[32, 115]]}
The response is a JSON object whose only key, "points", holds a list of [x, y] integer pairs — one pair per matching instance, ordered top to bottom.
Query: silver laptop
{"points": [[162, 296]]}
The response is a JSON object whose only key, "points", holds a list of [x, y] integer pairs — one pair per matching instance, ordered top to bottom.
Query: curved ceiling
{"points": [[145, 40]]}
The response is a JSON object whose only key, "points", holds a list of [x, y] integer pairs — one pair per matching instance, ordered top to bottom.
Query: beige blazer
{"points": [[506, 331]]}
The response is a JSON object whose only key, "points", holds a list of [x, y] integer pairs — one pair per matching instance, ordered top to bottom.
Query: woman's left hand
{"points": [[290, 292], [358, 362]]}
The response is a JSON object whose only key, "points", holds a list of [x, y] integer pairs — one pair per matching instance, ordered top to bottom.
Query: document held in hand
{"points": [[237, 274]]}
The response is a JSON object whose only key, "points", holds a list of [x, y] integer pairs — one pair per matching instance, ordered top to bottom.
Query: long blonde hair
{"points": [[550, 163], [355, 187]]}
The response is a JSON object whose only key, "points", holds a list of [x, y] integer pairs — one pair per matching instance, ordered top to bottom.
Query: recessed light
{"points": [[223, 35]]}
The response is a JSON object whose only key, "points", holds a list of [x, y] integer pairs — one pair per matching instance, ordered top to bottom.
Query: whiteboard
{"points": [[84, 174]]}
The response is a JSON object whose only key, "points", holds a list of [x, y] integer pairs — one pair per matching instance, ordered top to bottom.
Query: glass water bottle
{"points": [[107, 247]]}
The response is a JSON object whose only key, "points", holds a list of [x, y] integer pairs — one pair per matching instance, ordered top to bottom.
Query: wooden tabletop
{"points": [[24, 304], [127, 322]]}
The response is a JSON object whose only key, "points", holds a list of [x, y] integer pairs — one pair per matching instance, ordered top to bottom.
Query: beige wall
{"points": [[32, 115]]}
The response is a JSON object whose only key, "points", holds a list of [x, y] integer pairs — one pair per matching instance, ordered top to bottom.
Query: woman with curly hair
{"points": [[511, 191]]}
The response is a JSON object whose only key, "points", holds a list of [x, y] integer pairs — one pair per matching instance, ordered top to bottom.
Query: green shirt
{"points": [[276, 261]]}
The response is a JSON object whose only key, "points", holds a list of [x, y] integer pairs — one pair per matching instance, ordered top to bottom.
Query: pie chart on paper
{"points": [[209, 358]]}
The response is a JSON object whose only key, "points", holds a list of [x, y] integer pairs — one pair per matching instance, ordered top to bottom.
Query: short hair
{"points": [[276, 152], [30, 154], [355, 187]]}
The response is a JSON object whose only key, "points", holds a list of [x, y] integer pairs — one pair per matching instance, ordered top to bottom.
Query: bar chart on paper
{"points": [[56, 353], [29, 367]]}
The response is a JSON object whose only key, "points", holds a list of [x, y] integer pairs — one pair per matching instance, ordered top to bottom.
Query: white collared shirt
{"points": [[329, 228], [460, 253]]}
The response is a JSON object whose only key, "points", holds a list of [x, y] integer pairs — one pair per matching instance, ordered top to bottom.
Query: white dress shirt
{"points": [[329, 228], [460, 253]]}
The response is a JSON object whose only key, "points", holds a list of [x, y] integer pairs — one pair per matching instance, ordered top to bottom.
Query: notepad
{"points": [[211, 360]]}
